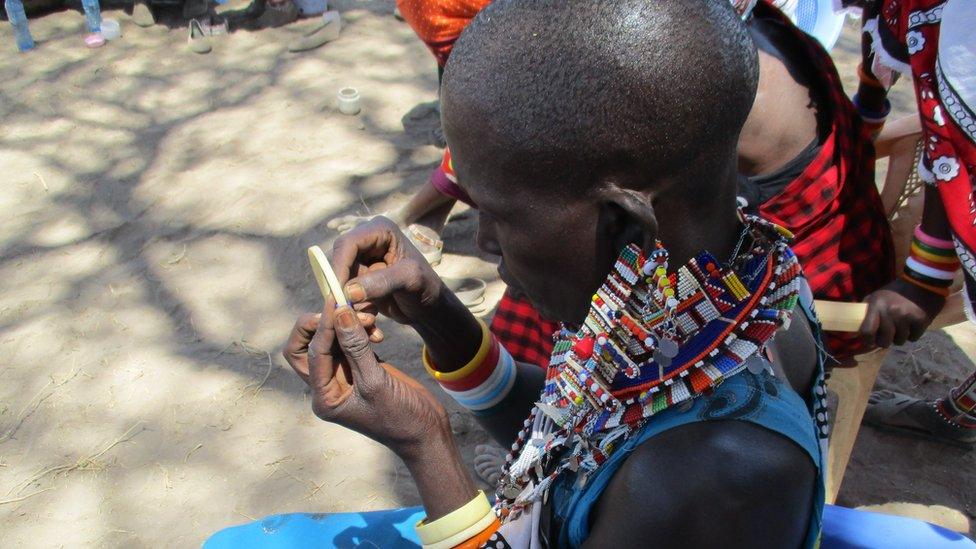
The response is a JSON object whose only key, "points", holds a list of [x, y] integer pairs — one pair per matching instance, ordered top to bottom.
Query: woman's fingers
{"points": [[365, 244], [406, 275], [869, 327], [355, 345], [296, 348], [321, 362]]}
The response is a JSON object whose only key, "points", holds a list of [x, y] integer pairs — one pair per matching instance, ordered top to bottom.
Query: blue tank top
{"points": [[756, 397]]}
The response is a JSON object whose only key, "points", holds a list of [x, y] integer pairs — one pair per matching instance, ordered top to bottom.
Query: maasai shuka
{"points": [[907, 37], [842, 236]]}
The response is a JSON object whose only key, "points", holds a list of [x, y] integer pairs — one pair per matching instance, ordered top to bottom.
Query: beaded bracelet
{"points": [[868, 114], [931, 263], [482, 383], [456, 527]]}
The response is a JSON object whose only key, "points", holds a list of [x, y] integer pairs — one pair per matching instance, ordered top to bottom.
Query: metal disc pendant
{"points": [[667, 347], [662, 360]]}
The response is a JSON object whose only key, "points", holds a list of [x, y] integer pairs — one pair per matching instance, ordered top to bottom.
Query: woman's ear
{"points": [[628, 218]]}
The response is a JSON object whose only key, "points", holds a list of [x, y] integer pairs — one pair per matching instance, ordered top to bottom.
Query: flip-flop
{"points": [[142, 15], [324, 32], [197, 39], [94, 40], [427, 241], [469, 291], [903, 414], [488, 462]]}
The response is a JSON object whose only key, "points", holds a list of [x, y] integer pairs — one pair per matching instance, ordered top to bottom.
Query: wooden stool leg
{"points": [[853, 387]]}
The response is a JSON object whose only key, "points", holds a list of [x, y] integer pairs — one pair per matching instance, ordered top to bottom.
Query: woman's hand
{"points": [[378, 264], [381, 269], [899, 312], [331, 352]]}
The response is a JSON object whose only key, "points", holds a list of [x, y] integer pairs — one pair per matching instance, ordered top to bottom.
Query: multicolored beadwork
{"points": [[652, 339]]}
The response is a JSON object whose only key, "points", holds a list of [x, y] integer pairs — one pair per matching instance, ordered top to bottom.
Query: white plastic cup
{"points": [[111, 29], [349, 101]]}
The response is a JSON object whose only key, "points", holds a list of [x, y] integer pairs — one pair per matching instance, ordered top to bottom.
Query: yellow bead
{"points": [[669, 292]]}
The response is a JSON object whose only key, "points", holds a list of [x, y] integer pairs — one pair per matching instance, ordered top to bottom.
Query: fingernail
{"points": [[355, 292], [345, 318]]}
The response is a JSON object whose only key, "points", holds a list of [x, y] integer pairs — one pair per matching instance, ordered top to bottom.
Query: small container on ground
{"points": [[111, 30], [349, 101]]}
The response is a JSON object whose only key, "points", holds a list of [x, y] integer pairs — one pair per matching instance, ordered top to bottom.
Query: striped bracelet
{"points": [[931, 263], [484, 382]]}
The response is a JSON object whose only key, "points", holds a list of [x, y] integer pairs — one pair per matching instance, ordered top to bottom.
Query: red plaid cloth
{"points": [[843, 239], [519, 328]]}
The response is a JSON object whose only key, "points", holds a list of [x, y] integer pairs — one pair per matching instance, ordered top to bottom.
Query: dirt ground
{"points": [[157, 206]]}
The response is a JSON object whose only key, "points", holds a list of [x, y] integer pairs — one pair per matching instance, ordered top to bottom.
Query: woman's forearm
{"points": [[934, 221], [453, 336], [441, 478]]}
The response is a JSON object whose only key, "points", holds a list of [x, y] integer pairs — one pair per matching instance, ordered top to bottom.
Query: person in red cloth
{"points": [[932, 42], [801, 161]]}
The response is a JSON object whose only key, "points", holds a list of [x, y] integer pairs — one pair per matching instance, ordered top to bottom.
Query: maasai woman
{"points": [[933, 42]]}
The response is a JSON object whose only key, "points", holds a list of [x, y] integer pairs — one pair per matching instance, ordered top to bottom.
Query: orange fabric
{"points": [[439, 22], [481, 538]]}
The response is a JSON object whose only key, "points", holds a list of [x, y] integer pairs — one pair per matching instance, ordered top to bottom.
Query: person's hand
{"points": [[380, 267], [899, 312], [331, 352]]}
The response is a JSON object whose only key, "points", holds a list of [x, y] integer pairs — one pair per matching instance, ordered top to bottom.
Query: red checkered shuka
{"points": [[843, 239], [519, 328]]}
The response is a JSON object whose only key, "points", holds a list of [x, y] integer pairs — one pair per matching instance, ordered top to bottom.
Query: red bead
{"points": [[583, 348]]}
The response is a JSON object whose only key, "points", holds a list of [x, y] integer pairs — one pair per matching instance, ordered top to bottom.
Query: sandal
{"points": [[142, 15], [324, 32], [197, 39], [94, 40], [427, 241], [469, 291], [898, 413], [488, 462]]}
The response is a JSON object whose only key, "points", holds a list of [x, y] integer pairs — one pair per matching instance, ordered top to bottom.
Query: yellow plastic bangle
{"points": [[952, 262], [468, 368], [455, 522], [466, 534]]}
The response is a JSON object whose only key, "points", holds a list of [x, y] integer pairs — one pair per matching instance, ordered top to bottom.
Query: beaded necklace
{"points": [[652, 339]]}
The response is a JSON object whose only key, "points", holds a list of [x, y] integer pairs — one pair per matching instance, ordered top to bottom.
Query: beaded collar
{"points": [[652, 339]]}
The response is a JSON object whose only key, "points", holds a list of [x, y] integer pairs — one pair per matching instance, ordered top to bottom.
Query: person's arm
{"points": [[871, 99], [381, 268]]}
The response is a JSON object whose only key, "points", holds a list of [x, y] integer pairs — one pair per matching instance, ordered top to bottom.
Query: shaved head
{"points": [[590, 88], [580, 126]]}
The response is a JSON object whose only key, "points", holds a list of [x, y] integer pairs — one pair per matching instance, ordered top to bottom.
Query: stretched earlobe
{"points": [[632, 219]]}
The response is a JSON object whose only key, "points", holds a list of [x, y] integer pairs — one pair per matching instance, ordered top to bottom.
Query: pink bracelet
{"points": [[933, 241]]}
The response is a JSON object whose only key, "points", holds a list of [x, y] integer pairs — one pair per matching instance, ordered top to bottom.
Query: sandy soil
{"points": [[157, 205]]}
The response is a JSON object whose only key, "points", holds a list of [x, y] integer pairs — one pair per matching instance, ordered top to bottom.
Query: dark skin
{"points": [[766, 142], [558, 225], [390, 275], [901, 311]]}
